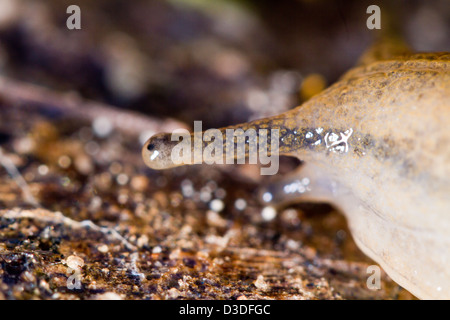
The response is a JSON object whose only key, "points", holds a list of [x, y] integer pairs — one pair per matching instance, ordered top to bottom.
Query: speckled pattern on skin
{"points": [[392, 171]]}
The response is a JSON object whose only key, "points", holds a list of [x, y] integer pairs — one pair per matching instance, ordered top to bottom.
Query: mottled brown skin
{"points": [[393, 183]]}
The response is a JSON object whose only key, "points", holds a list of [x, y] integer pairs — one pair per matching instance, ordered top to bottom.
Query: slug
{"points": [[376, 144]]}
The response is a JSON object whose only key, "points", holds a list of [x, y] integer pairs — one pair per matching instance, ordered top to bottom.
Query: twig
{"points": [[32, 96], [9, 166]]}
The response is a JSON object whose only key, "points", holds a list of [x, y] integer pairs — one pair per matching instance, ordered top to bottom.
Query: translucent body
{"points": [[377, 145]]}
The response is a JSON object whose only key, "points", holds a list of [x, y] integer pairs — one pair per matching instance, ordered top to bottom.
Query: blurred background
{"points": [[221, 61], [197, 232]]}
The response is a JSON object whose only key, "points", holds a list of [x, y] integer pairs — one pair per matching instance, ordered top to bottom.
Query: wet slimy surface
{"points": [[378, 143]]}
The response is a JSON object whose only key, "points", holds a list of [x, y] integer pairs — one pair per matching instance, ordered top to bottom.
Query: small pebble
{"points": [[102, 127], [64, 162], [43, 169], [122, 179], [139, 183], [267, 197], [240, 204], [216, 205], [268, 213], [214, 219], [142, 241], [103, 248], [157, 249], [75, 262], [261, 284], [174, 293], [107, 296]]}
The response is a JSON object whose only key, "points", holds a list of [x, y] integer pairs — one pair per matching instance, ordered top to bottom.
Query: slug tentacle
{"points": [[293, 133], [255, 140], [374, 144]]}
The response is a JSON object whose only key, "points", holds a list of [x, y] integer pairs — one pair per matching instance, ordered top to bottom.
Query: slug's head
{"points": [[157, 151]]}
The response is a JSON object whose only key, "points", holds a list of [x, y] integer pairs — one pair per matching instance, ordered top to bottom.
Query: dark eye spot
{"points": [[151, 147]]}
